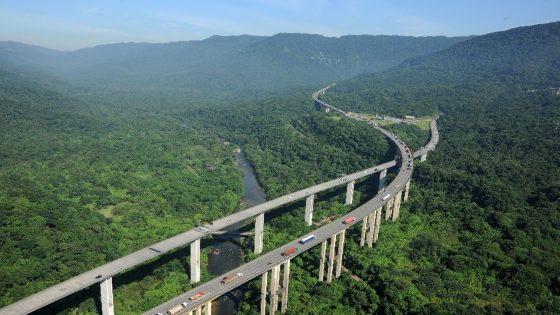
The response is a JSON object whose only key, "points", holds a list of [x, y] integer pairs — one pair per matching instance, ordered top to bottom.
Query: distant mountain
{"points": [[527, 57], [224, 62]]}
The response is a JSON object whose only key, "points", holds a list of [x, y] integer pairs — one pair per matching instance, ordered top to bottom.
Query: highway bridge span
{"points": [[369, 214]]}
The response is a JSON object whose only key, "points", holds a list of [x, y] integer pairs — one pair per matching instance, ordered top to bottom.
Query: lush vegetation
{"points": [[290, 145], [82, 183], [481, 232]]}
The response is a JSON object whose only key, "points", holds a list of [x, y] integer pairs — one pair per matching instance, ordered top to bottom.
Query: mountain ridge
{"points": [[232, 63]]}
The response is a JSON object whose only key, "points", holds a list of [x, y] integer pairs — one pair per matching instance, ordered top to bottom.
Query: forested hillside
{"points": [[519, 60], [223, 63], [82, 184], [481, 232]]}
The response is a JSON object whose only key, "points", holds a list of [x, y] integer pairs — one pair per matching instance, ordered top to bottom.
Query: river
{"points": [[227, 254]]}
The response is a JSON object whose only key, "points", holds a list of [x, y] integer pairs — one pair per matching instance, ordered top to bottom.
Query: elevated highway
{"points": [[274, 259], [103, 274]]}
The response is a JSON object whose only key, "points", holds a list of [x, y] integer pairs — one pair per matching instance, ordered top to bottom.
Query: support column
{"points": [[424, 156], [382, 176], [406, 190], [350, 193], [397, 206], [309, 209], [388, 209], [377, 224], [364, 230], [371, 231], [259, 233], [340, 252], [331, 259], [322, 260], [195, 261], [285, 285], [274, 289], [263, 292], [107, 305], [208, 309], [198, 311]]}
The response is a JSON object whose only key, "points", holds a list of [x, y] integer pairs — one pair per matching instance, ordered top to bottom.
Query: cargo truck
{"points": [[289, 251], [231, 277]]}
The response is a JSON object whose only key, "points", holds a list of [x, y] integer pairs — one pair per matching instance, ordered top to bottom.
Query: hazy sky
{"points": [[71, 24]]}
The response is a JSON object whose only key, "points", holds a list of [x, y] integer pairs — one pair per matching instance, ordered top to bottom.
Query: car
{"points": [[98, 276], [185, 304]]}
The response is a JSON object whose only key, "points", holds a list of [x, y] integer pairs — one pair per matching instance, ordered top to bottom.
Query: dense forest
{"points": [[73, 172], [479, 235]]}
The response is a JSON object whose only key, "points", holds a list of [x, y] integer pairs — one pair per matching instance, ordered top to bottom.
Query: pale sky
{"points": [[73, 24]]}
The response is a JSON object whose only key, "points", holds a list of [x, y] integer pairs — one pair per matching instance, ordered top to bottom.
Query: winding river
{"points": [[226, 254]]}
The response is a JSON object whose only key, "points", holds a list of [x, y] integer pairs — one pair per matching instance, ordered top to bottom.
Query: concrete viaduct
{"points": [[273, 262]]}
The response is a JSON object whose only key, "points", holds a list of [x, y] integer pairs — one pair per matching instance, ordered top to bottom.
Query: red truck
{"points": [[349, 220], [289, 251], [196, 296]]}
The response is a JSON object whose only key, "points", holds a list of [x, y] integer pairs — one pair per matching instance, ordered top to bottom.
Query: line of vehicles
{"points": [[179, 307]]}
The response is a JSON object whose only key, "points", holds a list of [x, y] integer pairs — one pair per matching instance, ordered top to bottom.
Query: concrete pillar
{"points": [[424, 156], [382, 176], [406, 190], [350, 193], [397, 206], [309, 209], [388, 209], [377, 224], [364, 230], [371, 231], [259, 233], [340, 252], [331, 259], [322, 260], [195, 261], [285, 285], [274, 289], [263, 292], [107, 305], [208, 309], [198, 311]]}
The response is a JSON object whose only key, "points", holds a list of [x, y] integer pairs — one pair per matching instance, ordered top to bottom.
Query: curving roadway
{"points": [[214, 288]]}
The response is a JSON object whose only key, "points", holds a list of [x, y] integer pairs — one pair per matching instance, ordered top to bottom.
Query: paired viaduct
{"points": [[273, 262]]}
